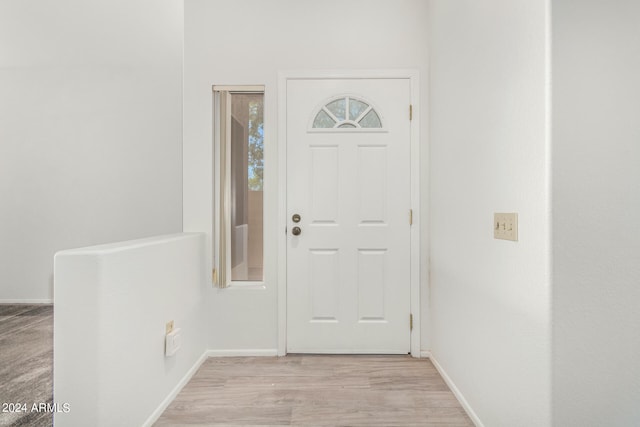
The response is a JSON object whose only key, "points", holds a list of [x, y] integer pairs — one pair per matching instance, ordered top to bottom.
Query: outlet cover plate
{"points": [[505, 226], [172, 342]]}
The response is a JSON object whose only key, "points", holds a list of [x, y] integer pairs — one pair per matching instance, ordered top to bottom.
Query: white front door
{"points": [[348, 179]]}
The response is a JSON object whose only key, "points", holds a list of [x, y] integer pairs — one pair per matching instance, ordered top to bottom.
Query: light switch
{"points": [[505, 226], [172, 342]]}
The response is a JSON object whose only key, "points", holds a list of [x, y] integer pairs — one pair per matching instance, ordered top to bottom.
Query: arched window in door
{"points": [[347, 112]]}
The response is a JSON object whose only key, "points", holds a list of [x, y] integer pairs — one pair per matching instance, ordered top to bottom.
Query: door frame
{"points": [[283, 77]]}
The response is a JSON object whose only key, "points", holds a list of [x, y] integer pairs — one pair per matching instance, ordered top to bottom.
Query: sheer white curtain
{"points": [[223, 202]]}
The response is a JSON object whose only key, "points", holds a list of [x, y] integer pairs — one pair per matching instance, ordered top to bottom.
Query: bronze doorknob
{"points": [[296, 231]]}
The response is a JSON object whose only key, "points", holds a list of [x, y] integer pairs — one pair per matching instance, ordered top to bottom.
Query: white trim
{"points": [[348, 74], [283, 77], [238, 88], [415, 206], [282, 214], [237, 285], [26, 301], [377, 351], [243, 353], [425, 354], [176, 390], [457, 393]]}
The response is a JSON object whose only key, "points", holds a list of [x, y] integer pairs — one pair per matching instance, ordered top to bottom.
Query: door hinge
{"points": [[410, 112], [410, 216], [214, 276], [411, 322]]}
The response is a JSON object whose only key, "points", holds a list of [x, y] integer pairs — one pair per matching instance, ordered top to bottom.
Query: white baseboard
{"points": [[26, 301], [242, 352], [425, 354], [457, 393], [167, 401]]}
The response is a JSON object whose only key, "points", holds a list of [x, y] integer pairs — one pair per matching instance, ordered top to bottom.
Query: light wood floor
{"points": [[26, 362], [304, 390], [313, 390]]}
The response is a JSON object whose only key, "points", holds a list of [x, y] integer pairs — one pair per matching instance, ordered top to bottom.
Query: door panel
{"points": [[372, 181], [324, 184], [348, 278], [324, 279], [371, 284]]}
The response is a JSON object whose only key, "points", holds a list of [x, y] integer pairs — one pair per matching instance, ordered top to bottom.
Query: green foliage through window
{"points": [[256, 145]]}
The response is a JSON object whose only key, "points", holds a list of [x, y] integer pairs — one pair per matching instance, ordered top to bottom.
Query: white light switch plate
{"points": [[505, 226], [172, 342]]}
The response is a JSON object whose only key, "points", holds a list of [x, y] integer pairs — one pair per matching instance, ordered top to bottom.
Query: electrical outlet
{"points": [[505, 226], [169, 327]]}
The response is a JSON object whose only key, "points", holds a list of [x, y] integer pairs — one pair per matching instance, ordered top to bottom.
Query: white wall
{"points": [[248, 42], [90, 130], [596, 208], [490, 298], [111, 306]]}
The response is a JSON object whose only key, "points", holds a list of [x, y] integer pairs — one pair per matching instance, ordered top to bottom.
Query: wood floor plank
{"points": [[9, 310], [11, 325], [26, 361], [255, 367], [300, 382], [433, 383], [313, 390], [435, 399], [226, 415], [376, 416]]}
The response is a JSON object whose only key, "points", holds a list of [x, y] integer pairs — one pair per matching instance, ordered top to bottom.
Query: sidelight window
{"points": [[238, 238]]}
